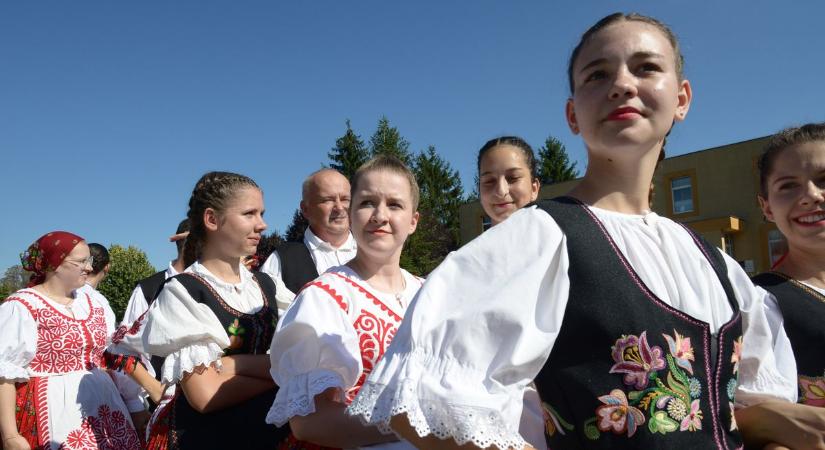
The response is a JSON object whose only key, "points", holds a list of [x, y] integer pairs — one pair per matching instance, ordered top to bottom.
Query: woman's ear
{"points": [[684, 96], [570, 114], [210, 219]]}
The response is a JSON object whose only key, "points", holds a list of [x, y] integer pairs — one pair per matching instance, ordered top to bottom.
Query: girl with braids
{"points": [[506, 176], [792, 180], [213, 325], [636, 332], [54, 389]]}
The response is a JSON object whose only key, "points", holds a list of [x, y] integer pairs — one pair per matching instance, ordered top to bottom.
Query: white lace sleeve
{"points": [[184, 331], [475, 336], [18, 340], [314, 349], [767, 368]]}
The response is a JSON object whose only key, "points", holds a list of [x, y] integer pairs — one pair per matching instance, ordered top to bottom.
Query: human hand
{"points": [[179, 236], [17, 442]]}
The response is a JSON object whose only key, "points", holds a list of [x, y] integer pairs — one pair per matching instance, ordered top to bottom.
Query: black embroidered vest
{"points": [[297, 266], [151, 286], [803, 310], [628, 370], [241, 425]]}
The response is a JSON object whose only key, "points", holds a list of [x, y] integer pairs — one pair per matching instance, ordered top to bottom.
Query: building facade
{"points": [[712, 191]]}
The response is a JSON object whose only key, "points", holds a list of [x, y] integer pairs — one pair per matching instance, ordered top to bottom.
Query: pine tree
{"points": [[388, 141], [349, 153], [554, 164], [438, 226], [296, 229], [267, 245]]}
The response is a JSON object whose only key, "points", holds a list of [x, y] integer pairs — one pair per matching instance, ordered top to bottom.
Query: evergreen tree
{"points": [[388, 141], [349, 153], [554, 165], [438, 226], [296, 229], [266, 246], [14, 279]]}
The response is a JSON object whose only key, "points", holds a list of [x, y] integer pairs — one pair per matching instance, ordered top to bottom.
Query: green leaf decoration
{"points": [[661, 423], [591, 431]]}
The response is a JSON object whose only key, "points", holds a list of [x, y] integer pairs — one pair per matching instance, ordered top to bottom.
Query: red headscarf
{"points": [[46, 253]]}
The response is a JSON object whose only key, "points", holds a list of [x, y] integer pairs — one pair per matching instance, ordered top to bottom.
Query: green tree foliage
{"points": [[388, 141], [349, 153], [554, 164], [438, 225], [295, 231], [267, 245], [127, 267], [14, 279]]}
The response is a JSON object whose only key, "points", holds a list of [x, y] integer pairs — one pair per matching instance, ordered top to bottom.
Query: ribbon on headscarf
{"points": [[46, 253]]}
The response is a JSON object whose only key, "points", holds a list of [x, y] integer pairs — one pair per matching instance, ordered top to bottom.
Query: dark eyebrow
{"points": [[637, 55], [786, 177]]}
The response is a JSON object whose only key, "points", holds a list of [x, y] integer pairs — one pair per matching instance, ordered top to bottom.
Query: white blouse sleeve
{"points": [[135, 308], [185, 332], [475, 336], [18, 341], [314, 349], [767, 368]]}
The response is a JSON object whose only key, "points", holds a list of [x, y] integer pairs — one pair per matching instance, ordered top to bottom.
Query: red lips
{"points": [[624, 113]]}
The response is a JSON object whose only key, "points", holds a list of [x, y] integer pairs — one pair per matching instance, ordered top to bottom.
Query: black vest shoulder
{"points": [[297, 266], [151, 286], [803, 311], [627, 370]]}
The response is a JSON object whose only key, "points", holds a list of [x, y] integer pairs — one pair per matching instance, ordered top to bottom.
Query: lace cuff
{"points": [[189, 358], [12, 372], [407, 383], [297, 397]]}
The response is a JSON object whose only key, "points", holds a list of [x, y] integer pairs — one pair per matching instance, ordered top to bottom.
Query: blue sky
{"points": [[110, 111]]}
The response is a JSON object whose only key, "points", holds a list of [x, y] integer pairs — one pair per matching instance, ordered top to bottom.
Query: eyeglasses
{"points": [[81, 263]]}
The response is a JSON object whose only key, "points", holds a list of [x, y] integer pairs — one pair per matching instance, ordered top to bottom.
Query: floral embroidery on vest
{"points": [[735, 357], [812, 390], [665, 394], [553, 421]]}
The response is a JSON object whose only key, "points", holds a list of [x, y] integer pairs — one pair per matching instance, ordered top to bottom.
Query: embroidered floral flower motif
{"points": [[681, 350], [737, 354], [636, 359], [695, 387], [731, 388], [812, 390], [676, 409], [617, 415], [732, 418], [693, 419], [553, 421], [661, 423]]}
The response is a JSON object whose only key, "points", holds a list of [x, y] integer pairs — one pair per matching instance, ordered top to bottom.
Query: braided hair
{"points": [[213, 190]]}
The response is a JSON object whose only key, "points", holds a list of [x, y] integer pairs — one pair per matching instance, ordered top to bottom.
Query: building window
{"points": [[682, 191], [486, 223], [727, 243], [777, 246]]}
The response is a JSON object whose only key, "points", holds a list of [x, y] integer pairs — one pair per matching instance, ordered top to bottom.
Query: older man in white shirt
{"points": [[327, 241]]}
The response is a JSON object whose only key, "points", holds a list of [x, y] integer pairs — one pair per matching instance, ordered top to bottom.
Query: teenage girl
{"points": [[506, 177], [213, 324], [339, 325], [631, 326]]}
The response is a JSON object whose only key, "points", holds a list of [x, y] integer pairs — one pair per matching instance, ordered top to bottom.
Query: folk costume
{"points": [[802, 308], [196, 319], [629, 326], [332, 336], [55, 354]]}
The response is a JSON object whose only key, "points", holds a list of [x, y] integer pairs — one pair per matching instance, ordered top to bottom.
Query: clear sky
{"points": [[110, 111]]}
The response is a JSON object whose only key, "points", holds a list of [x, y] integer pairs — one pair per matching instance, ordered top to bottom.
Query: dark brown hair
{"points": [[787, 138], [515, 141], [213, 190]]}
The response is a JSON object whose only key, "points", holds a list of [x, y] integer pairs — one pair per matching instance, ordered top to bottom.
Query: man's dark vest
{"points": [[297, 266], [151, 286], [803, 311], [627, 370], [241, 425]]}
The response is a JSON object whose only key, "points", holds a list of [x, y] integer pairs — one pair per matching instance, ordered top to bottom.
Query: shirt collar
{"points": [[312, 241], [199, 269], [171, 271]]}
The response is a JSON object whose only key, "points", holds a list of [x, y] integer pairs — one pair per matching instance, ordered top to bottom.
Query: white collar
{"points": [[313, 242], [199, 269], [171, 271]]}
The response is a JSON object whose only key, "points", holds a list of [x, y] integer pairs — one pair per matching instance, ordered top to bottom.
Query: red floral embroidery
{"points": [[374, 336], [108, 430]]}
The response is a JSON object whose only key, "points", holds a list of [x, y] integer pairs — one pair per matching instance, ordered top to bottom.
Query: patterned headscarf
{"points": [[46, 253]]}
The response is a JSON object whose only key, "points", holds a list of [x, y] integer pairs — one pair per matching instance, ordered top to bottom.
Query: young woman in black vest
{"points": [[792, 181], [213, 324], [637, 333]]}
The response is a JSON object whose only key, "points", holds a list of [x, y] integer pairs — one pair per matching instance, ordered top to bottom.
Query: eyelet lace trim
{"points": [[188, 359], [12, 372], [297, 398], [375, 405]]}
